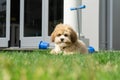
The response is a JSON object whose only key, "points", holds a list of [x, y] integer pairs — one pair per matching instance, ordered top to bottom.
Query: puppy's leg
{"points": [[83, 48], [56, 50]]}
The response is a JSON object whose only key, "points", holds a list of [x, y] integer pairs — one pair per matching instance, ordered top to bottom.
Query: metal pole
{"points": [[79, 18], [79, 27]]}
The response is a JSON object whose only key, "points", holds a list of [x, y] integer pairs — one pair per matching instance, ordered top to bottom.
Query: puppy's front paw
{"points": [[55, 52]]}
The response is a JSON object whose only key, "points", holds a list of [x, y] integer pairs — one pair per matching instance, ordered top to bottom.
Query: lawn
{"points": [[40, 65]]}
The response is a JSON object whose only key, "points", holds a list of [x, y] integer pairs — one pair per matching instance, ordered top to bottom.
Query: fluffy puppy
{"points": [[66, 41]]}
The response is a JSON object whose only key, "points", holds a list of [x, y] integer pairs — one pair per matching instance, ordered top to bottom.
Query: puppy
{"points": [[66, 41]]}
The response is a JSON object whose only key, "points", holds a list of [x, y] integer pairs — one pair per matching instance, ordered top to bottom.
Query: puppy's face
{"points": [[63, 35]]}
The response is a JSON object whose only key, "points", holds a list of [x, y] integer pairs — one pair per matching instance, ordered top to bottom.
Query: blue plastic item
{"points": [[80, 7], [73, 9], [43, 45], [91, 49]]}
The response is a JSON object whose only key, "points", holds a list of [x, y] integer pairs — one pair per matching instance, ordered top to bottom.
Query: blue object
{"points": [[80, 7], [73, 9], [43, 45], [91, 49]]}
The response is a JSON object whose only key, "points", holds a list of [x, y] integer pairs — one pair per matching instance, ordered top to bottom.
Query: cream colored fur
{"points": [[66, 41]]}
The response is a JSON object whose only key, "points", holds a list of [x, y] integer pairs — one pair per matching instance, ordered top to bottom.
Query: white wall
{"points": [[70, 17], [90, 22]]}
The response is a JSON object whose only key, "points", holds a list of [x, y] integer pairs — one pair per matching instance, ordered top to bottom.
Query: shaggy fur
{"points": [[66, 41]]}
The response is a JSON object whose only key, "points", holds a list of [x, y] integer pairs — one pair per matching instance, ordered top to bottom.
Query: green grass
{"points": [[40, 65]]}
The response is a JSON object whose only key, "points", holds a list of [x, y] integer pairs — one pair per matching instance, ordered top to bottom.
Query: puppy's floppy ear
{"points": [[73, 35], [53, 36]]}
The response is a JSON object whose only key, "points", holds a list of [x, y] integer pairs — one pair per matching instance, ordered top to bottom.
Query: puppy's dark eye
{"points": [[59, 35], [65, 35]]}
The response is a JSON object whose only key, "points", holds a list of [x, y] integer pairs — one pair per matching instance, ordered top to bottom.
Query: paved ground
{"points": [[17, 49]]}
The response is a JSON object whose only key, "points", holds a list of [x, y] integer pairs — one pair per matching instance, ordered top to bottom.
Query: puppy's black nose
{"points": [[62, 39]]}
